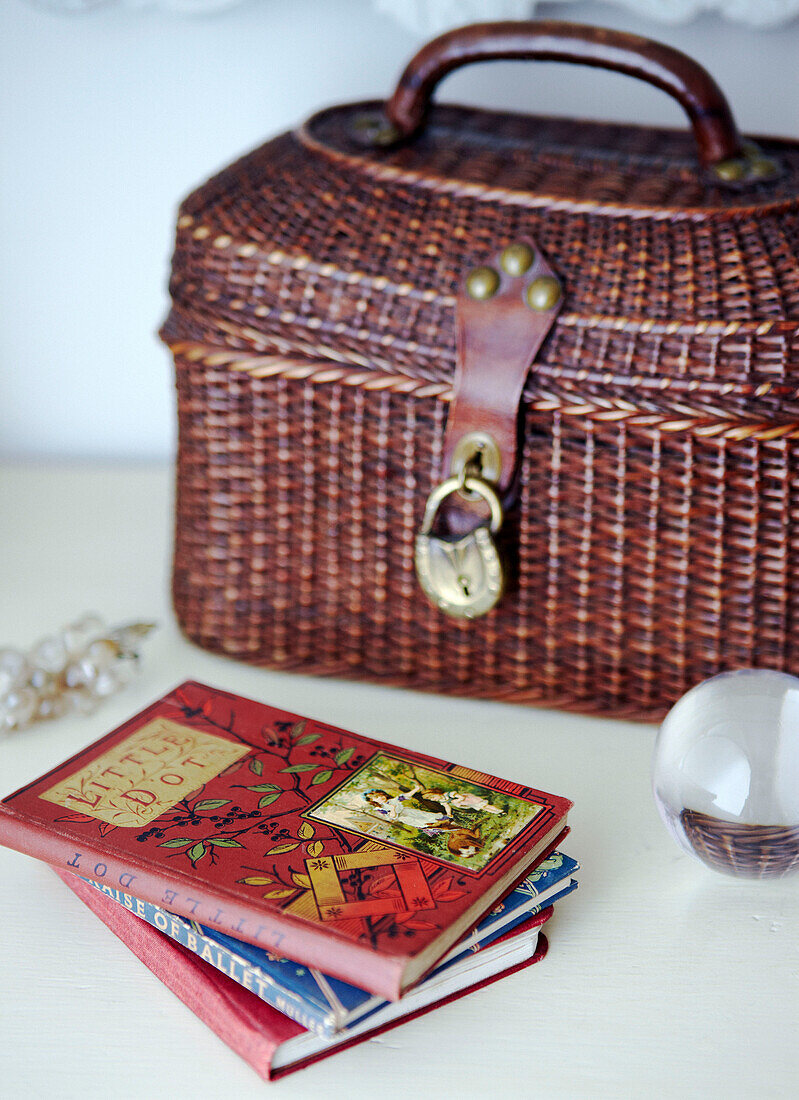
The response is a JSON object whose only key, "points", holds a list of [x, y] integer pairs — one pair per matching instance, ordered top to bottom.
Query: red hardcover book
{"points": [[344, 853], [267, 1040]]}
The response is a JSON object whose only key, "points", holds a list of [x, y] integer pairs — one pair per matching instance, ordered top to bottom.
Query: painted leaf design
{"points": [[298, 728], [307, 739], [343, 756], [256, 766], [294, 768], [321, 777], [263, 787], [268, 799], [212, 804], [75, 817], [106, 827], [306, 831], [224, 842], [176, 843], [281, 848], [315, 848], [197, 852], [255, 880], [302, 881], [379, 883], [280, 893], [451, 895], [421, 925]]}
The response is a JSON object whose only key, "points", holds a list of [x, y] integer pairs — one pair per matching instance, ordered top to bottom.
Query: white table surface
{"points": [[662, 978]]}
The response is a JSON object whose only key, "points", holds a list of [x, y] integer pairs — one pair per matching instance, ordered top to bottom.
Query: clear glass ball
{"points": [[725, 772]]}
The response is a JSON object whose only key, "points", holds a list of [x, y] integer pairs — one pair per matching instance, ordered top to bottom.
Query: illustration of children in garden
{"points": [[462, 800], [405, 808], [429, 812]]}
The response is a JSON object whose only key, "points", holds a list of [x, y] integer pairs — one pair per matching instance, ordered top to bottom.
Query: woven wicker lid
{"points": [[544, 162], [313, 247]]}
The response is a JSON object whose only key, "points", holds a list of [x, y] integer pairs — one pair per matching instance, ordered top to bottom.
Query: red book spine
{"points": [[308, 944], [240, 1021], [252, 1029]]}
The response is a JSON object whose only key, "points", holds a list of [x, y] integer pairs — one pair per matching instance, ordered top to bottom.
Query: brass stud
{"points": [[374, 129], [762, 168], [731, 170], [517, 258], [482, 283], [543, 293]]}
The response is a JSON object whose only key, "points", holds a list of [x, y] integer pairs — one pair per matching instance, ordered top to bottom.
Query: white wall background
{"points": [[108, 118]]}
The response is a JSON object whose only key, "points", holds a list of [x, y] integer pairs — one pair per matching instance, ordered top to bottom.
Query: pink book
{"points": [[267, 1040]]}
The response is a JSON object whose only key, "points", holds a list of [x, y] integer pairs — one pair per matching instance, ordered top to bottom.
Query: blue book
{"points": [[319, 1002]]}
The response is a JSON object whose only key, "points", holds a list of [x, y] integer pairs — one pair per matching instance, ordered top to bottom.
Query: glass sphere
{"points": [[725, 772]]}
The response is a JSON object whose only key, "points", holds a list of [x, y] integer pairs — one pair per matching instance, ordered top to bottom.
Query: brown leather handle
{"points": [[716, 134]]}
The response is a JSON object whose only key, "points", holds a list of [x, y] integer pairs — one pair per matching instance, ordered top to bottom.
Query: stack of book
{"points": [[299, 887]]}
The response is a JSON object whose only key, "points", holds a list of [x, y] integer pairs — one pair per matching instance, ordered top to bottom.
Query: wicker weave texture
{"points": [[655, 537], [645, 560], [750, 851]]}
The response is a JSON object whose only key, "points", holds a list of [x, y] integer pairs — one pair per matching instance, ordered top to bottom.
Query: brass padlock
{"points": [[464, 577]]}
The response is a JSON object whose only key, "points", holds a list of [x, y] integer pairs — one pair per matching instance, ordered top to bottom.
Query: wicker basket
{"points": [[651, 525]]}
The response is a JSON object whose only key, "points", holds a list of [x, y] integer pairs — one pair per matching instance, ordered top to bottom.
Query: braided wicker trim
{"points": [[509, 197], [223, 241], [646, 325], [316, 372], [700, 422]]}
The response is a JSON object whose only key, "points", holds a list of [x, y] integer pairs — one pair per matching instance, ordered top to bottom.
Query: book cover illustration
{"points": [[426, 811], [266, 825], [321, 1002]]}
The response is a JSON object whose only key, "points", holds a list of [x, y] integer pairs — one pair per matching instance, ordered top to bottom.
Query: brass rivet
{"points": [[375, 129], [762, 168], [731, 170], [517, 258], [482, 283], [543, 293], [477, 454]]}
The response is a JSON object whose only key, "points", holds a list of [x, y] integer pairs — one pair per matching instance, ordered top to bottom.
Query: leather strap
{"points": [[498, 338]]}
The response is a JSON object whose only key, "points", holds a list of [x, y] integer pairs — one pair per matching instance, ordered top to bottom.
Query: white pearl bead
{"points": [[83, 631], [50, 654], [102, 654], [14, 669], [73, 676], [41, 680], [106, 683], [82, 701], [52, 706], [20, 707]]}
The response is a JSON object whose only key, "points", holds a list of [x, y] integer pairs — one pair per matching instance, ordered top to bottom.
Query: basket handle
{"points": [[709, 113]]}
